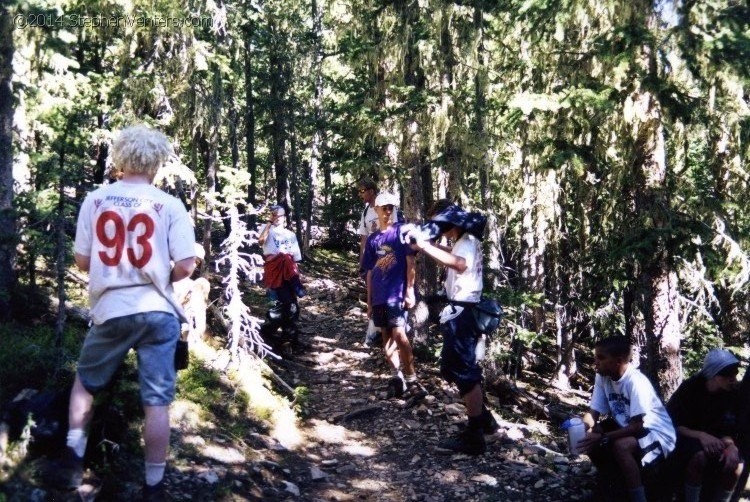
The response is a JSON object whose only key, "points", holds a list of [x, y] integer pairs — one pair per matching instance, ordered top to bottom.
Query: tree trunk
{"points": [[279, 114], [250, 115], [210, 146], [311, 173], [417, 192], [7, 213], [60, 249], [658, 279]]}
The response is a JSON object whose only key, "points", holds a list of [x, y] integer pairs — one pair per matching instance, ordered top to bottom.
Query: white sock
{"points": [[410, 378], [77, 440], [154, 473]]}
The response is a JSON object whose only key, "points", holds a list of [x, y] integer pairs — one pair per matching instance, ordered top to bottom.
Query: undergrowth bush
{"points": [[29, 358]]}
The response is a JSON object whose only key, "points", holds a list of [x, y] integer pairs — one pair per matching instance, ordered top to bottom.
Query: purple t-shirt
{"points": [[385, 255]]}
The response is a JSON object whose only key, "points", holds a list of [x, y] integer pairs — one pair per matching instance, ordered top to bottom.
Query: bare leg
{"points": [[390, 348], [404, 350], [473, 401], [81, 403], [156, 433], [623, 450], [729, 479]]}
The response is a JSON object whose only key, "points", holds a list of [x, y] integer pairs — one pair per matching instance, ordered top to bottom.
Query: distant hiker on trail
{"points": [[367, 190], [126, 236], [281, 277], [463, 287], [390, 293], [705, 409], [638, 431]]}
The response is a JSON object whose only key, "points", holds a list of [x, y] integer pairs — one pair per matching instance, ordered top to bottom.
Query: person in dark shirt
{"points": [[704, 410]]}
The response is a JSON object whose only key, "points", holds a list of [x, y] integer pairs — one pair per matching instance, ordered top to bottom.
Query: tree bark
{"points": [[280, 71], [250, 114], [311, 172], [7, 212], [658, 279]]}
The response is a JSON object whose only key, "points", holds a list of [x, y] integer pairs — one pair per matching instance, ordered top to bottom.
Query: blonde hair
{"points": [[140, 150]]}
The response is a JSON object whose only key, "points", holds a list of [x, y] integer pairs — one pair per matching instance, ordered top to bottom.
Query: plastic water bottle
{"points": [[481, 348], [576, 432]]}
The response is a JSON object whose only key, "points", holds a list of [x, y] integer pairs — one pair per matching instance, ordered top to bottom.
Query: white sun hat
{"points": [[386, 199]]}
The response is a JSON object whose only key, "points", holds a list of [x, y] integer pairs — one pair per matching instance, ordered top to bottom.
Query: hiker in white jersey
{"points": [[367, 190], [127, 236], [638, 431]]}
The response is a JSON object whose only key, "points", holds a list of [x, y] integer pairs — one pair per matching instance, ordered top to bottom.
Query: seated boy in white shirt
{"points": [[638, 431]]}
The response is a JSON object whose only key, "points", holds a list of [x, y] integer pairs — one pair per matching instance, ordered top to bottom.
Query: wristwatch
{"points": [[604, 441]]}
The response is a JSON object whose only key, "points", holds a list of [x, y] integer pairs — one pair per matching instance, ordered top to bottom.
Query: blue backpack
{"points": [[487, 315]]}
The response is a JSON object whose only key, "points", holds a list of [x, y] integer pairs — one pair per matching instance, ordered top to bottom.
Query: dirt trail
{"points": [[362, 446]]}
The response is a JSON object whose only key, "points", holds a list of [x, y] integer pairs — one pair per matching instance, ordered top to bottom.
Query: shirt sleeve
{"points": [[362, 230], [181, 234], [82, 243], [270, 247], [465, 247], [296, 253], [369, 258], [643, 398], [599, 400]]}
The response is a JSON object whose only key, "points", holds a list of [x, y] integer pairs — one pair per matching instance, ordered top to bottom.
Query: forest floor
{"points": [[347, 442]]}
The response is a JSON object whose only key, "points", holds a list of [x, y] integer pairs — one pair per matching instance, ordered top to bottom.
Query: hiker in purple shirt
{"points": [[390, 293]]}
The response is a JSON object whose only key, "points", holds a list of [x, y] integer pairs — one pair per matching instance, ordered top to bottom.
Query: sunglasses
{"points": [[362, 190]]}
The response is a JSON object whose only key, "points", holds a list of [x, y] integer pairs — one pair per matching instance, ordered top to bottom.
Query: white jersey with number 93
{"points": [[130, 232]]}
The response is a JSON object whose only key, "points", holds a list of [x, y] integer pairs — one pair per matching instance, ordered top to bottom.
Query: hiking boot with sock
{"points": [[396, 387], [414, 393], [470, 442], [65, 472], [155, 493]]}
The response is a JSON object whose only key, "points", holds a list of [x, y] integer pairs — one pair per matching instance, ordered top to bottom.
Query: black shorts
{"points": [[389, 315], [458, 360]]}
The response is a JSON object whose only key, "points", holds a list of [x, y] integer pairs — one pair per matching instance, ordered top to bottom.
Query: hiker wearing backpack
{"points": [[461, 334]]}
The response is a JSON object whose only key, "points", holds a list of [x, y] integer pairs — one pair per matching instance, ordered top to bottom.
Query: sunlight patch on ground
{"points": [[263, 404], [186, 415], [283, 421], [285, 429], [351, 442], [360, 450], [223, 454], [372, 485]]}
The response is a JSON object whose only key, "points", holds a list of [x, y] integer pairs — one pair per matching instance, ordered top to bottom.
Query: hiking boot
{"points": [[396, 387], [414, 393], [489, 424], [470, 442], [65, 472], [156, 493]]}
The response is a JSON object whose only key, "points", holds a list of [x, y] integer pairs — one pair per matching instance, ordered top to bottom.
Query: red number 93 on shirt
{"points": [[114, 234]]}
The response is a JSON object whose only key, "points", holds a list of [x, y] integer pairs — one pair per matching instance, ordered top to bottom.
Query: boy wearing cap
{"points": [[369, 223], [389, 264], [463, 286], [704, 409], [638, 431]]}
